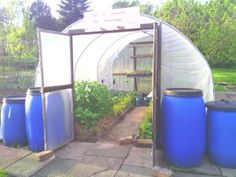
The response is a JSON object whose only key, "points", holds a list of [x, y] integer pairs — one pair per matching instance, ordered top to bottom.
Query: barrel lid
{"points": [[34, 91], [182, 92], [13, 99], [223, 105]]}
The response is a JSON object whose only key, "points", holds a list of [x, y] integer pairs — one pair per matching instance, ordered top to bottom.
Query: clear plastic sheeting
{"points": [[98, 56], [56, 59], [183, 66], [59, 122]]}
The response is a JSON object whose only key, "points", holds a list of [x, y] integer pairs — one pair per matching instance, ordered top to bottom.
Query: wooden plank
{"points": [[147, 26], [140, 43], [142, 56], [135, 67], [119, 74], [134, 74], [139, 74]]}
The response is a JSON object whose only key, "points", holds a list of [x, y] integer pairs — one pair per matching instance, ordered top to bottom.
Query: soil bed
{"points": [[101, 129]]}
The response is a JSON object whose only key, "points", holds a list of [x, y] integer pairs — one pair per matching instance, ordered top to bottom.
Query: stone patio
{"points": [[101, 159]]}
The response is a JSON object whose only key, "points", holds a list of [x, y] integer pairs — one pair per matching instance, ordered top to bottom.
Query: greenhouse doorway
{"points": [[107, 77], [52, 80]]}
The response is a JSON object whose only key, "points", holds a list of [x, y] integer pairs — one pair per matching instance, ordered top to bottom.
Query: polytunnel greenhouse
{"points": [[122, 58], [123, 61]]}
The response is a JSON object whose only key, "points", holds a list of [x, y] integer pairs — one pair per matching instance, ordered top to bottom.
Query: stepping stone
{"points": [[74, 150], [109, 150], [10, 155], [139, 157], [106, 163], [27, 166], [58, 167], [207, 167], [85, 170], [135, 170], [228, 172], [108, 173], [192, 175]]}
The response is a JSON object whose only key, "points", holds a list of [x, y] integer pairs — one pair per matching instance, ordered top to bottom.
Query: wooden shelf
{"points": [[143, 56], [119, 74], [134, 74], [139, 74]]}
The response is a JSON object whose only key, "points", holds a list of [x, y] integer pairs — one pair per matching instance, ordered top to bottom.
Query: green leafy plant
{"points": [[93, 101], [121, 101], [145, 127]]}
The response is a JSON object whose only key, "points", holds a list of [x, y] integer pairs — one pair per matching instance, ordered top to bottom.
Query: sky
{"points": [[96, 4]]}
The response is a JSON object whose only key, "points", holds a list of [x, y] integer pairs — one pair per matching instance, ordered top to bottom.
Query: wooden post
{"points": [[135, 67], [156, 78]]}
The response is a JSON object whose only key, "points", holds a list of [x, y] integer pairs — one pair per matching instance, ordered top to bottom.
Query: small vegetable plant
{"points": [[93, 101], [145, 127]]}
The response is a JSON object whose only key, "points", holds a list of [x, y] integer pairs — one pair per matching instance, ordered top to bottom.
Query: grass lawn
{"points": [[223, 75]]}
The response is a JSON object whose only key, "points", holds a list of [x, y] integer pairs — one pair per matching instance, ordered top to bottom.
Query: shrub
{"points": [[93, 101], [145, 127]]}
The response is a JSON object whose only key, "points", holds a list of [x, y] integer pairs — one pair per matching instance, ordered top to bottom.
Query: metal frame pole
{"points": [[156, 78], [72, 83], [43, 93]]}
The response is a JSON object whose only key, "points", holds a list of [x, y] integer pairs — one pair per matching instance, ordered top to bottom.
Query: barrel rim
{"points": [[34, 91], [182, 92], [14, 99], [221, 105]]}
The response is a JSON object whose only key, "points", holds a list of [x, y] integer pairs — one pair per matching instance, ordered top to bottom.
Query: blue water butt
{"points": [[34, 119], [13, 121], [183, 127], [221, 133]]}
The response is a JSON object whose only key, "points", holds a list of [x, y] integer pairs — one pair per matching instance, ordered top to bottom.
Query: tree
{"points": [[124, 4], [144, 8], [147, 9], [71, 11], [40, 15], [210, 26], [3, 27], [21, 39]]}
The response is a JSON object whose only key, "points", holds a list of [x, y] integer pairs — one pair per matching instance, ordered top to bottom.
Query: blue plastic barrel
{"points": [[34, 119], [13, 121], [183, 127], [221, 141]]}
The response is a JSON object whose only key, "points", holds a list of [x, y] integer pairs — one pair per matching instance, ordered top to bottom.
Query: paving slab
{"points": [[221, 95], [74, 150], [109, 150], [10, 155], [139, 157], [106, 163], [27, 166], [58, 167], [207, 167], [85, 170], [136, 170], [228, 172], [108, 173], [127, 174], [192, 175]]}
